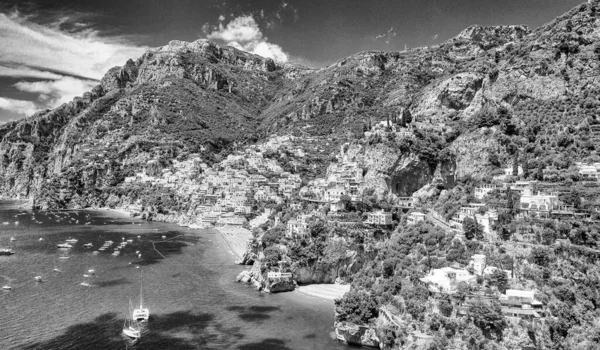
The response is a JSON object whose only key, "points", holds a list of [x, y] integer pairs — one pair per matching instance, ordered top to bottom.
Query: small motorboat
{"points": [[16, 222], [5, 223], [164, 237], [12, 239], [41, 239], [72, 240], [130, 241], [64, 245], [88, 245], [6, 251], [116, 253], [64, 257], [56, 270], [92, 271], [86, 275], [38, 279], [85, 284], [7, 287]]}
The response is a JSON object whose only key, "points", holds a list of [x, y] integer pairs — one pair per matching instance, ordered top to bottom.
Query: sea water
{"points": [[188, 285]]}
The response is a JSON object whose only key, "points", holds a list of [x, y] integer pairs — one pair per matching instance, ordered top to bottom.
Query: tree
{"points": [[515, 165], [525, 165], [346, 199], [472, 229], [541, 256], [499, 279], [357, 307], [445, 307], [487, 316]]}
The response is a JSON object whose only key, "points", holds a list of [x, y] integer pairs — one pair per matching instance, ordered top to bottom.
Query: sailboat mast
{"points": [[141, 286]]}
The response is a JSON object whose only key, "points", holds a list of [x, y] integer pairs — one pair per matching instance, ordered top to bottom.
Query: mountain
{"points": [[186, 97], [428, 123]]}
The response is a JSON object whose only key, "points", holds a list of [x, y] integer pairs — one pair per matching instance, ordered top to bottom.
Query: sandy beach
{"points": [[236, 239], [324, 291]]}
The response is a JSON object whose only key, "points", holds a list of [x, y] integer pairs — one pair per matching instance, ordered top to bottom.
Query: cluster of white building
{"points": [[383, 128], [589, 171], [221, 195], [486, 219], [446, 279]]}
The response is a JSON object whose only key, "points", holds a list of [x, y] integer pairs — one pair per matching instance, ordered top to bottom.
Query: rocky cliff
{"points": [[188, 98]]}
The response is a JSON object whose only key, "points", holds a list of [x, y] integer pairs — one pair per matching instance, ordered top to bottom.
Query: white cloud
{"points": [[243, 33], [387, 36], [56, 52], [84, 53], [26, 72], [53, 93], [21, 107]]}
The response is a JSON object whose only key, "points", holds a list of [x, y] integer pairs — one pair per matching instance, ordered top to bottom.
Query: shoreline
{"points": [[236, 239], [328, 292]]}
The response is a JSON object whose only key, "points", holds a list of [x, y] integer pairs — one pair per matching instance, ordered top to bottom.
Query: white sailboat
{"points": [[141, 314], [130, 327]]}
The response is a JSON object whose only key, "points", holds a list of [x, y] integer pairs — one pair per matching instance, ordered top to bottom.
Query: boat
{"points": [[5, 223], [12, 239], [41, 239], [72, 240], [64, 245], [88, 245], [6, 251], [95, 252], [116, 253], [63, 257], [57, 270], [92, 271], [38, 278], [85, 284], [7, 287], [141, 314], [130, 327]]}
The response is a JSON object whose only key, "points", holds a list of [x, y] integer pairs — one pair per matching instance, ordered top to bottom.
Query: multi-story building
{"points": [[483, 190], [415, 217], [379, 218]]}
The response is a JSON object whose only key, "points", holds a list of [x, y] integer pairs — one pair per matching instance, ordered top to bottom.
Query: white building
{"points": [[482, 191], [415, 217], [379, 218], [446, 279]]}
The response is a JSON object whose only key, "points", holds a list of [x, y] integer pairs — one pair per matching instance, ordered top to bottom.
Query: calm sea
{"points": [[189, 288]]}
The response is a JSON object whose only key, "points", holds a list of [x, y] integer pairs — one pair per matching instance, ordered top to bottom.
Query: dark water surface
{"points": [[193, 299]]}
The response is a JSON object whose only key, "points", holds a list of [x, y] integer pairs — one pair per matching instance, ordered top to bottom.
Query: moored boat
{"points": [[64, 245], [6, 251], [141, 314], [131, 328]]}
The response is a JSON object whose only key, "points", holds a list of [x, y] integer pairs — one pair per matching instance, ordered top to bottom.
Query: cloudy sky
{"points": [[54, 50]]}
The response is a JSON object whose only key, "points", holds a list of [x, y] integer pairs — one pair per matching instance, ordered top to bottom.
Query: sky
{"points": [[54, 50]]}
